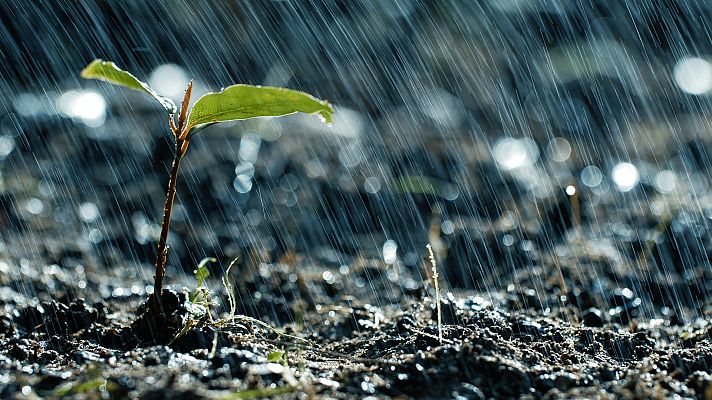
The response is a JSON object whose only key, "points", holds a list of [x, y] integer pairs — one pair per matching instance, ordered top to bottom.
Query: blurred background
{"points": [[508, 133]]}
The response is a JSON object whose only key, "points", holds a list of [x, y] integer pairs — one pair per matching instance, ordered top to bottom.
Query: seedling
{"points": [[236, 102], [198, 305]]}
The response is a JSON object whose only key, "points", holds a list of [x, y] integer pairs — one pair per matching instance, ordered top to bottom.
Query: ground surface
{"points": [[541, 301]]}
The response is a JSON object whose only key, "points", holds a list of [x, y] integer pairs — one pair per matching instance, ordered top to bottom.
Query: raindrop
{"points": [[693, 75], [169, 80], [86, 106], [7, 145], [249, 147], [559, 149], [514, 153], [246, 169], [625, 175], [591, 176], [665, 181], [289, 182], [242, 184], [372, 184], [571, 190], [450, 192], [34, 206], [657, 207], [88, 212], [254, 217], [509, 219], [447, 227], [95, 236], [508, 240], [390, 249], [328, 277]]}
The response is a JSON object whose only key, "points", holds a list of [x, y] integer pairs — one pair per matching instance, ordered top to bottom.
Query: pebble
{"points": [[593, 317]]}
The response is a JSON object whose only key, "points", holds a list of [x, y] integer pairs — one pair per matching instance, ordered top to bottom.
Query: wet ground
{"points": [[552, 296]]}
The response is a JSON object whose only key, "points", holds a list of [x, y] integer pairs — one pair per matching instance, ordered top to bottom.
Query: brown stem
{"points": [[162, 254]]}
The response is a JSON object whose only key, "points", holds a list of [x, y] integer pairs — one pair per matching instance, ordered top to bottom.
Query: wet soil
{"points": [[538, 300], [505, 345]]}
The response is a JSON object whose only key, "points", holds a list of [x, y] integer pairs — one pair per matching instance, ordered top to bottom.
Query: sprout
{"points": [[236, 102]]}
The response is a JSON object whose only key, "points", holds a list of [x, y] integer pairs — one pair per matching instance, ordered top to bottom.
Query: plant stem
{"points": [[181, 148], [162, 254], [437, 291]]}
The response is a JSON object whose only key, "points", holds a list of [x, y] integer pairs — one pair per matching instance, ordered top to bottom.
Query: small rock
{"points": [[593, 317], [526, 328]]}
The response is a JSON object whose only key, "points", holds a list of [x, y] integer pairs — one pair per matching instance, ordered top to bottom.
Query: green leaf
{"points": [[108, 71], [238, 102], [424, 185], [202, 273], [275, 356]]}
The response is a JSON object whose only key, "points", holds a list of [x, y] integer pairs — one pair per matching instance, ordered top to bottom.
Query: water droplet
{"points": [[693, 75], [169, 80], [86, 106], [7, 145], [249, 147], [559, 149], [512, 153], [245, 168], [591, 176], [625, 176], [665, 181], [289, 182], [242, 184], [372, 184], [571, 190], [34, 206], [88, 212], [254, 217], [447, 227], [95, 236], [508, 240], [390, 250], [328, 277]]}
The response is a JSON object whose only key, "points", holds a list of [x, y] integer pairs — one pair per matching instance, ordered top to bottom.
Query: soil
{"points": [[538, 300]]}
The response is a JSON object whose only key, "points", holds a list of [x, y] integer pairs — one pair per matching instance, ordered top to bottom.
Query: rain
{"points": [[554, 155]]}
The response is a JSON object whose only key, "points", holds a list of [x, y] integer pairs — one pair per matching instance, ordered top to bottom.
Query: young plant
{"points": [[236, 102]]}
